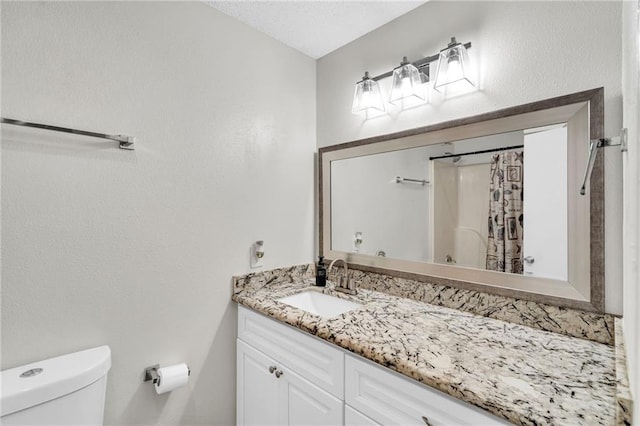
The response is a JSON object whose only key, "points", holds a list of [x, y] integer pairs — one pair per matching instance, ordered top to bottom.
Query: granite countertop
{"points": [[525, 375]]}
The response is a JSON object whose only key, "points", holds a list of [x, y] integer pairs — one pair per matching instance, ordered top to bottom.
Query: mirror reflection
{"points": [[495, 202]]}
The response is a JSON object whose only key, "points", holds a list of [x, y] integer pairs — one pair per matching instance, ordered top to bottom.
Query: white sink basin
{"points": [[320, 304]]}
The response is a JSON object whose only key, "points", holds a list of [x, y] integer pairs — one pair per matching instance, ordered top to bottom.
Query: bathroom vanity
{"points": [[527, 340], [394, 360], [287, 377]]}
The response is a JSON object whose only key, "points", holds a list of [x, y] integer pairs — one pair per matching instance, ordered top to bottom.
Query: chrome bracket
{"points": [[621, 141], [126, 142], [151, 374]]}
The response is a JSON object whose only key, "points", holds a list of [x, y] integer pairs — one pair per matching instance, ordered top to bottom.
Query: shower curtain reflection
{"points": [[505, 241]]}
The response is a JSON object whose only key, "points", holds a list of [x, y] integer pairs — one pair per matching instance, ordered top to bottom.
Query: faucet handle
{"points": [[342, 281], [351, 284], [346, 285]]}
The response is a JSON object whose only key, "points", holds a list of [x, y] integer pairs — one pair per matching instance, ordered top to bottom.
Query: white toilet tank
{"points": [[66, 390]]}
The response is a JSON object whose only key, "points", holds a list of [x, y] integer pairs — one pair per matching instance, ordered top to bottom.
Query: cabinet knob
{"points": [[530, 260], [272, 369], [279, 373], [426, 421]]}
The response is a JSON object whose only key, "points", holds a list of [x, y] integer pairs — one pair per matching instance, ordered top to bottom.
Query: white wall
{"points": [[525, 51], [631, 98], [399, 225], [471, 233], [136, 249]]}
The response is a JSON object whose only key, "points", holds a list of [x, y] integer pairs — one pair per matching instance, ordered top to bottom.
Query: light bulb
{"points": [[454, 70], [406, 87], [367, 99]]}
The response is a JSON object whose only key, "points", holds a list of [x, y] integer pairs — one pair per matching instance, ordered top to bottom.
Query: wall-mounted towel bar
{"points": [[126, 142], [593, 151], [402, 180]]}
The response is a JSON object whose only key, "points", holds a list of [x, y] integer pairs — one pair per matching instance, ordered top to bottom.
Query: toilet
{"points": [[66, 390]]}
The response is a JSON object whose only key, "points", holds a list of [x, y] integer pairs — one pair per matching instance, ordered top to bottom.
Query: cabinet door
{"points": [[257, 388], [302, 403]]}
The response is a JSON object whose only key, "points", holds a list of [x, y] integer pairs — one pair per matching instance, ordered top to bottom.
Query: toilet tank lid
{"points": [[59, 376]]}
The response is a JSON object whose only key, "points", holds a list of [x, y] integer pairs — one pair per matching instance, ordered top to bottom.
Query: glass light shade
{"points": [[453, 67], [406, 85], [367, 97]]}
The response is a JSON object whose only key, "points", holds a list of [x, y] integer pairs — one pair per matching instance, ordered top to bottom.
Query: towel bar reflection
{"points": [[125, 142], [402, 180]]}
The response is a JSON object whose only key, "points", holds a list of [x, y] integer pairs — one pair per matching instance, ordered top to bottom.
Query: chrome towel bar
{"points": [[125, 142], [593, 151]]}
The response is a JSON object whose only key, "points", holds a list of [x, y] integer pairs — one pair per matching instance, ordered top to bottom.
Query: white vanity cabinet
{"points": [[286, 377]]}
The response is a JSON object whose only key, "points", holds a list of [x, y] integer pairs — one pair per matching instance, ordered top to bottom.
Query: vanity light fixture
{"points": [[453, 66], [410, 82]]}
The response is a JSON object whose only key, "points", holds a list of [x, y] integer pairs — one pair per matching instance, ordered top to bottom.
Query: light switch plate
{"points": [[254, 261]]}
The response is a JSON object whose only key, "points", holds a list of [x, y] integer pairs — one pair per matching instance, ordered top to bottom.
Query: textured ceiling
{"points": [[315, 27]]}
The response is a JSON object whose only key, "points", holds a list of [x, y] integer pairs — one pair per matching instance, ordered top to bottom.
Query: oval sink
{"points": [[320, 304]]}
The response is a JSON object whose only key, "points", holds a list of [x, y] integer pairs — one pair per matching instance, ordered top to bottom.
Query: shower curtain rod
{"points": [[126, 142], [484, 151]]}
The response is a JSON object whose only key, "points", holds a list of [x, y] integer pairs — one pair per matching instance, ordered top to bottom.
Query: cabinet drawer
{"points": [[314, 360], [389, 399], [353, 417]]}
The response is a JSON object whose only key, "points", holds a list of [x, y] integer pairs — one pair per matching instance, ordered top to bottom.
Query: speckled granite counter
{"points": [[528, 376]]}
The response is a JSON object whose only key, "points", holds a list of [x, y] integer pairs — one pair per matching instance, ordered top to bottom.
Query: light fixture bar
{"points": [[420, 64]]}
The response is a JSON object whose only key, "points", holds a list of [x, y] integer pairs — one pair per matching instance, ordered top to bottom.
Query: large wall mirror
{"points": [[490, 203]]}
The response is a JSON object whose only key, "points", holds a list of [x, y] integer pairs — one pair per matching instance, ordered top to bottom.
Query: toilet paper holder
{"points": [[151, 374]]}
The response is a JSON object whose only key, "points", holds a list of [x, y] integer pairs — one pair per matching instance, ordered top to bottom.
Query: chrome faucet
{"points": [[344, 284]]}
